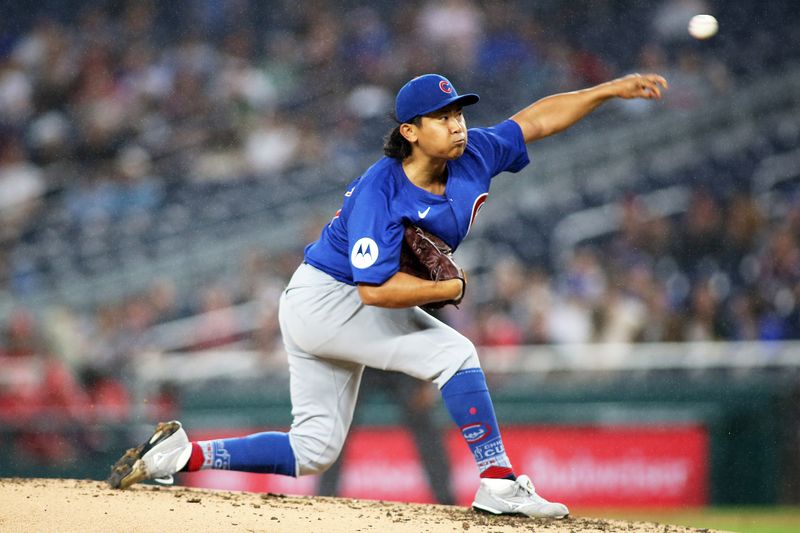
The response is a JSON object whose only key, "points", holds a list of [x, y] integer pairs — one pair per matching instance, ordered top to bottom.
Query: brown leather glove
{"points": [[426, 256]]}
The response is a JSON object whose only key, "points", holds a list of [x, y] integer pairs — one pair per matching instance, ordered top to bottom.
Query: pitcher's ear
{"points": [[409, 132]]}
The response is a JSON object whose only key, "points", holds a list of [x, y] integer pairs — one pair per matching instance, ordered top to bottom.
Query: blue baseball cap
{"points": [[427, 93]]}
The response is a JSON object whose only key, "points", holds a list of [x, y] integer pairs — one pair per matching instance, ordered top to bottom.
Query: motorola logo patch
{"points": [[364, 253]]}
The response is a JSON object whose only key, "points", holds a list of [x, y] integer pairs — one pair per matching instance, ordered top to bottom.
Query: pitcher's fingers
{"points": [[660, 80]]}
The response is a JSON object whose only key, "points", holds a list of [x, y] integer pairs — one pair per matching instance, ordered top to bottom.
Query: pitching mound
{"points": [[70, 505]]}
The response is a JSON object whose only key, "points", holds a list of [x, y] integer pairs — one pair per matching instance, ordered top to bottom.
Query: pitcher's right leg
{"points": [[324, 394]]}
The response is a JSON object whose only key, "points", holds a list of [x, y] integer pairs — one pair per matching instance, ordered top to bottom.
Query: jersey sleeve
{"points": [[501, 147], [374, 239]]}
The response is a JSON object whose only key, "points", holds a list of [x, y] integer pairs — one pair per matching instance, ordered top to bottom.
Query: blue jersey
{"points": [[362, 243]]}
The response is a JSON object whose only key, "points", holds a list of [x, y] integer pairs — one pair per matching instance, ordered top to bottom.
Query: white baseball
{"points": [[703, 26]]}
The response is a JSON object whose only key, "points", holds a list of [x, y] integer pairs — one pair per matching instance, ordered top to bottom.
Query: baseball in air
{"points": [[703, 26]]}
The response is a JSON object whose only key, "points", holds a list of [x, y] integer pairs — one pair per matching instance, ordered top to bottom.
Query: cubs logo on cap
{"points": [[427, 93]]}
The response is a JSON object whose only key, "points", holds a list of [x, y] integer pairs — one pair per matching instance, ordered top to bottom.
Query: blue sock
{"points": [[466, 397], [263, 453]]}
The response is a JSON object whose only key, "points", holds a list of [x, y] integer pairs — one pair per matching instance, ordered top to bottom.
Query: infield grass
{"points": [[738, 519]]}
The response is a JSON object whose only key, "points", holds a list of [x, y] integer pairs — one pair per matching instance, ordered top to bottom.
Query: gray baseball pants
{"points": [[330, 336]]}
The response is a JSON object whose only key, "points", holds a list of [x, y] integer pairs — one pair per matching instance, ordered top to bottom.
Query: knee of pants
{"points": [[466, 356], [472, 360], [313, 454]]}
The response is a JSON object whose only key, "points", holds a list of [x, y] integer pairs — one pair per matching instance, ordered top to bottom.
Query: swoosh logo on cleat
{"points": [[159, 459]]}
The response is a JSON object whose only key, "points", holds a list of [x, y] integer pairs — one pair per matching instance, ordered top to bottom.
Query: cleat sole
{"points": [[130, 469]]}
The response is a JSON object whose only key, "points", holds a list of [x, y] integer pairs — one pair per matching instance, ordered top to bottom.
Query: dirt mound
{"points": [[82, 505]]}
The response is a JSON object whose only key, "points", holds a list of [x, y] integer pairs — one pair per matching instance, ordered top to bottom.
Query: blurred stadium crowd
{"points": [[125, 123]]}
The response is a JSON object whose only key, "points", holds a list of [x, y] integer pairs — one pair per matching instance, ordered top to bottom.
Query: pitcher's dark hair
{"points": [[395, 145]]}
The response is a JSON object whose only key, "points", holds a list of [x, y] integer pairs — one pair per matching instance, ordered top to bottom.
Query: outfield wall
{"points": [[717, 434], [714, 441]]}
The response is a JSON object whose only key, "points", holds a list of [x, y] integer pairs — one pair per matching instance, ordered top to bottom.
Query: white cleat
{"points": [[162, 455], [504, 496]]}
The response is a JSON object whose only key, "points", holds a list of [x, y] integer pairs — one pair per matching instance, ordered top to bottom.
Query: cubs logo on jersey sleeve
{"points": [[364, 253]]}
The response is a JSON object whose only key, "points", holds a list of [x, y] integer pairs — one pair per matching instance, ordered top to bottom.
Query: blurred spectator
{"points": [[454, 28], [367, 44], [507, 51], [281, 63], [589, 67], [690, 84], [16, 92], [272, 146], [21, 186], [138, 191], [92, 199], [744, 224], [700, 232], [637, 236], [781, 257], [583, 276], [260, 278], [508, 282], [538, 299], [165, 301], [793, 316], [622, 317], [743, 317], [570, 320], [663, 321], [704, 321], [217, 324], [496, 328], [66, 334], [267, 337], [123, 338], [39, 394], [109, 400]]}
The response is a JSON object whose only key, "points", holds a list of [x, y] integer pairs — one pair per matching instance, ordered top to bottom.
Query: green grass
{"points": [[738, 519]]}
